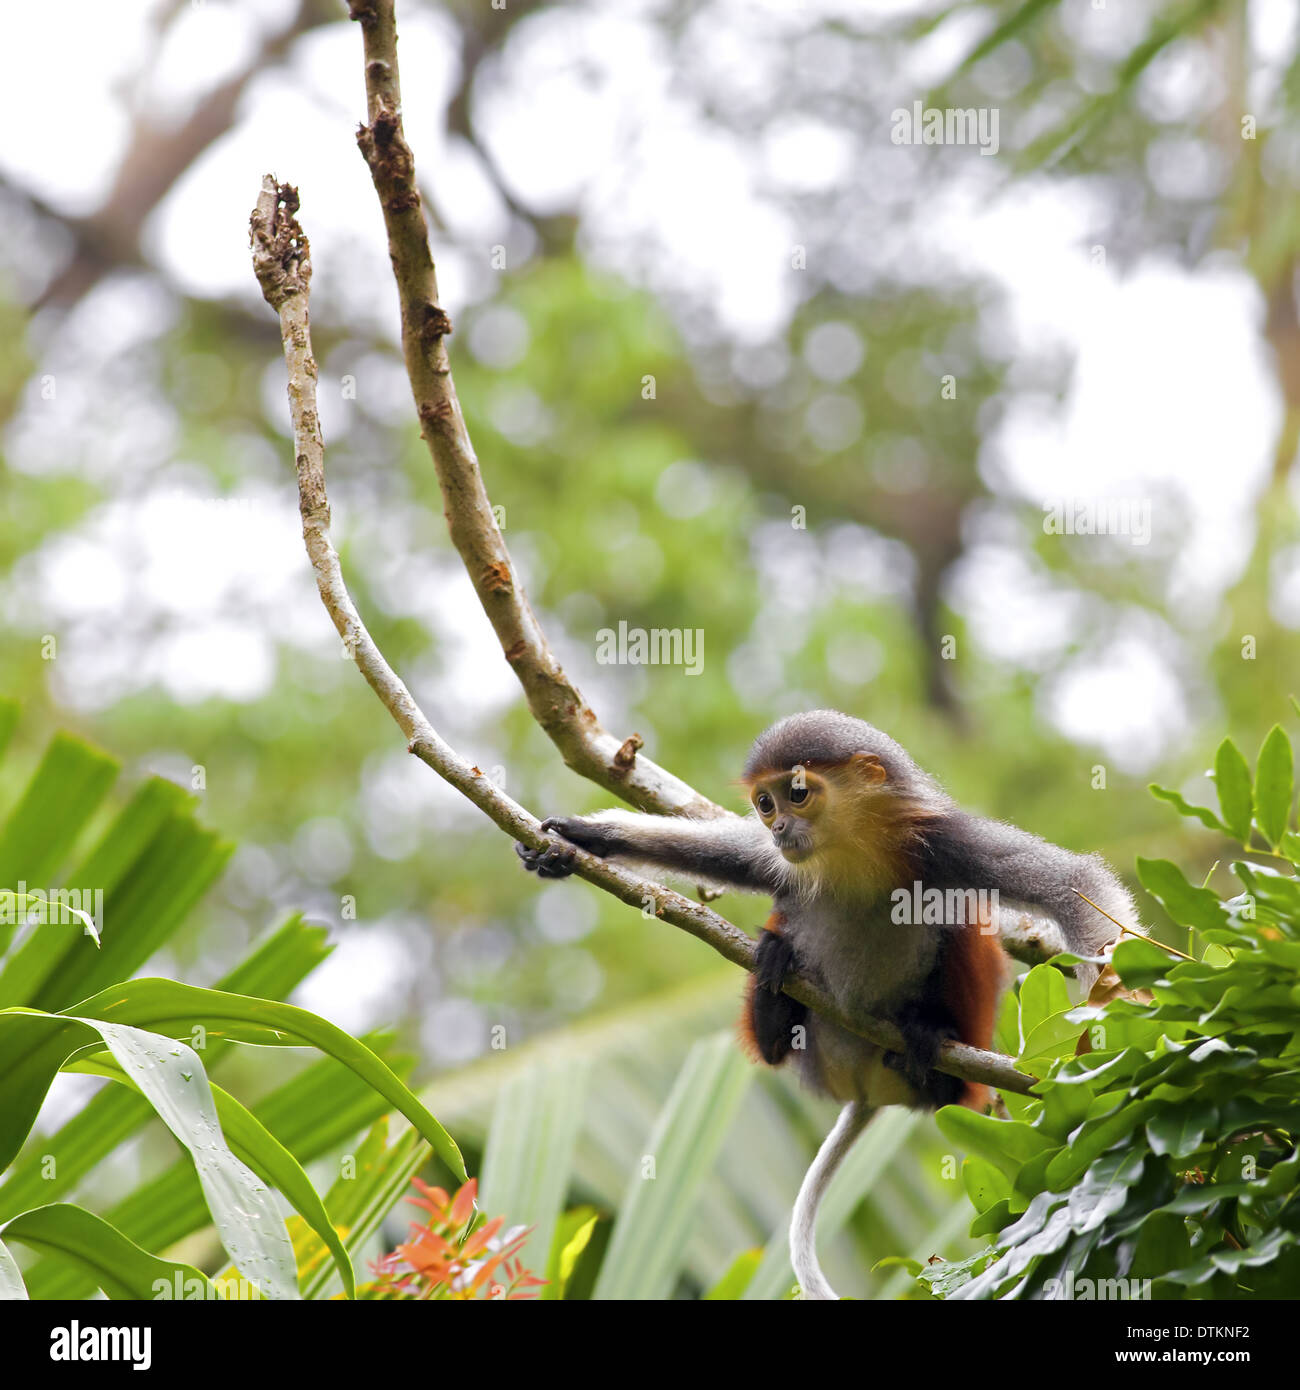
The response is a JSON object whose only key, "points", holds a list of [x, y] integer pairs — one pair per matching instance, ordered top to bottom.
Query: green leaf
{"points": [[1232, 783], [1274, 785], [64, 792], [1202, 813], [1188, 905], [1141, 963], [273, 967], [1042, 994], [164, 1006], [34, 1045], [172, 1079], [1179, 1130], [1007, 1144], [256, 1146], [529, 1153], [985, 1183], [573, 1232], [649, 1238], [117, 1265], [735, 1281], [12, 1287]]}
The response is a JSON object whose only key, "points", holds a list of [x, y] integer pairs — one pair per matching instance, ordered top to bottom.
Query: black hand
{"points": [[596, 837], [555, 861]]}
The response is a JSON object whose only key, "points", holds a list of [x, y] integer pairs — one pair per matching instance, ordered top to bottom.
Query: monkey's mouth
{"points": [[795, 849]]}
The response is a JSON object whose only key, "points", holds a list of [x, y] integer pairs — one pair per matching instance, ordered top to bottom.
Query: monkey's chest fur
{"points": [[868, 964]]}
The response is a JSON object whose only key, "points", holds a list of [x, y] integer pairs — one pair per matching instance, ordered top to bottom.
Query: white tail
{"points": [[803, 1223]]}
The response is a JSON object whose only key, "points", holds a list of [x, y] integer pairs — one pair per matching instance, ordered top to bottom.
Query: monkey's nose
{"points": [[780, 825]]}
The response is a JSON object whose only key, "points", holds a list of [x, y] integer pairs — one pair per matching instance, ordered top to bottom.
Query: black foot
{"points": [[773, 961]]}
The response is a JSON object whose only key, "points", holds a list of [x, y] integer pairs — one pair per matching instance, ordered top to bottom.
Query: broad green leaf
{"points": [[1232, 783], [1274, 785], [1188, 905], [276, 963], [1141, 963], [1042, 994], [164, 1006], [35, 1045], [171, 1077], [311, 1114], [1179, 1130], [1007, 1144], [254, 1145], [985, 1183], [646, 1248], [117, 1265], [12, 1287]]}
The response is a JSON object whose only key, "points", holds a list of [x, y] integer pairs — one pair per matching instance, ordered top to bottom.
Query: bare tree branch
{"points": [[282, 263], [554, 700]]}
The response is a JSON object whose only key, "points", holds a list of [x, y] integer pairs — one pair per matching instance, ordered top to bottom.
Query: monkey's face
{"points": [[791, 805], [828, 815]]}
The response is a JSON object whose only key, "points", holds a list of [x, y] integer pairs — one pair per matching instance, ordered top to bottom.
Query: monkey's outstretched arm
{"points": [[731, 853], [1035, 875]]}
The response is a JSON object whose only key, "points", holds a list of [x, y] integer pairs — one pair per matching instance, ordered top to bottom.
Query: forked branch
{"points": [[282, 263]]}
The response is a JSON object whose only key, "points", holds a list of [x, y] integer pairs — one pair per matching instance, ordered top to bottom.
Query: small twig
{"points": [[282, 262], [1128, 931]]}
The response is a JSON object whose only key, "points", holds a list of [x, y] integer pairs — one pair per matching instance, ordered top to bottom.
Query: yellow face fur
{"points": [[833, 823]]}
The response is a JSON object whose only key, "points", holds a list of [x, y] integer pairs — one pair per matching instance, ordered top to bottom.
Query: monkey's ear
{"points": [[869, 768]]}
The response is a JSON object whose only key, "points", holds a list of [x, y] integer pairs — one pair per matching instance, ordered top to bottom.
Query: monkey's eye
{"points": [[797, 795], [765, 804]]}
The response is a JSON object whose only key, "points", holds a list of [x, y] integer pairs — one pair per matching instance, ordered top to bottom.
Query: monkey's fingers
{"points": [[596, 837], [555, 861]]}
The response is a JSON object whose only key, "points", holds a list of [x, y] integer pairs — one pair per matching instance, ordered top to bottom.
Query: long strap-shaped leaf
{"points": [[176, 1010], [172, 1079], [256, 1146], [646, 1249], [117, 1265]]}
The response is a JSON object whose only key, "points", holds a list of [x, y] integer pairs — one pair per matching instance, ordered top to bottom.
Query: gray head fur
{"points": [[826, 737]]}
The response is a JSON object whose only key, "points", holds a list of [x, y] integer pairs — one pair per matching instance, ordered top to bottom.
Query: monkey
{"points": [[848, 835]]}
